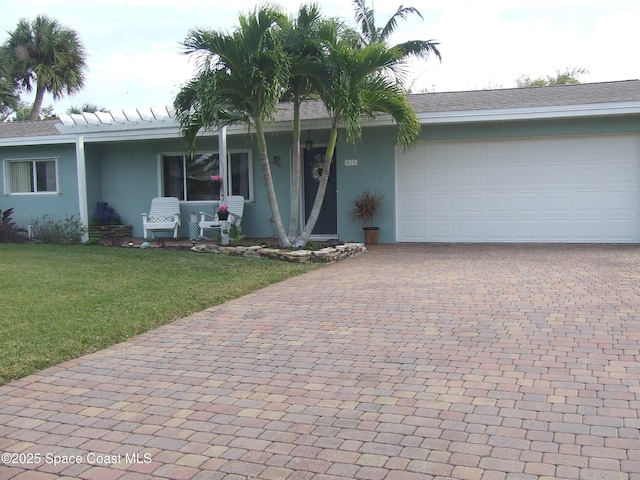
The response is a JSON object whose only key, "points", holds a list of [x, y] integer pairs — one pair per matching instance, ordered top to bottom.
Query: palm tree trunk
{"points": [[37, 104], [295, 173], [322, 187], [281, 233]]}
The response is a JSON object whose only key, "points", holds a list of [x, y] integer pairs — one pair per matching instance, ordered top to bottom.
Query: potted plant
{"points": [[364, 207], [223, 213]]}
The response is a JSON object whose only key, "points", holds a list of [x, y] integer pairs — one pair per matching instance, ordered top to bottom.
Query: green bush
{"points": [[9, 231], [54, 231]]}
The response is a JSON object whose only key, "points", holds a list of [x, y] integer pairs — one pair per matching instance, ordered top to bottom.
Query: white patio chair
{"points": [[235, 204], [164, 215]]}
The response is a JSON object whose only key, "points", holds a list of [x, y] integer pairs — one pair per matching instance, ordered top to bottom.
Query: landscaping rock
{"points": [[324, 255]]}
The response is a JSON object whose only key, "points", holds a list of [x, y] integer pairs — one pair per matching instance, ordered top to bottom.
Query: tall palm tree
{"points": [[370, 33], [303, 44], [47, 56], [241, 78], [357, 84], [9, 97]]}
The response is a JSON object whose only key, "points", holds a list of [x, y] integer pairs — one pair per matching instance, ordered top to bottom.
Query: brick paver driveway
{"points": [[410, 362]]}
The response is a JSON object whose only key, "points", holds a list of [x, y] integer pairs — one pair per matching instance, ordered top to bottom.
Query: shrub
{"points": [[365, 206], [9, 231], [66, 231]]}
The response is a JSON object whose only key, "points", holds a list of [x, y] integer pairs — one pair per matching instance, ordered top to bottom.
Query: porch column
{"points": [[222, 155], [82, 184]]}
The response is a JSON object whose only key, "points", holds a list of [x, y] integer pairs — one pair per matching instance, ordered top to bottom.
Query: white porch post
{"points": [[222, 155], [82, 184]]}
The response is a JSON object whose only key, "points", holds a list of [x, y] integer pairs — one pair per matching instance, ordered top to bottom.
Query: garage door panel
{"points": [[617, 173], [587, 174], [525, 175], [556, 175], [412, 180], [556, 189], [587, 201], [621, 201], [526, 202], [557, 202], [470, 203], [497, 203], [413, 204], [441, 204], [589, 229], [414, 230], [441, 230], [470, 230], [527, 230], [558, 230], [622, 230]]}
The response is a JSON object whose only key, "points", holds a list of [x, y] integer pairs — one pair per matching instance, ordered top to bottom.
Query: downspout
{"points": [[222, 156], [82, 185]]}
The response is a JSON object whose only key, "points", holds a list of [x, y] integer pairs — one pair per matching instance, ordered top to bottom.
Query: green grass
{"points": [[61, 302]]}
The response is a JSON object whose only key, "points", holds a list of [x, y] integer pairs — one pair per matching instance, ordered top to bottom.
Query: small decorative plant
{"points": [[365, 206], [223, 212]]}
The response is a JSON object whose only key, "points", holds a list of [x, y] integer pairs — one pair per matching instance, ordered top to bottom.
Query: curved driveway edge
{"points": [[480, 362]]}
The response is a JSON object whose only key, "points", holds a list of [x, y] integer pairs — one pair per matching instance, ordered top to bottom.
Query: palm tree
{"points": [[370, 33], [303, 44], [47, 56], [241, 78], [357, 84], [9, 97]]}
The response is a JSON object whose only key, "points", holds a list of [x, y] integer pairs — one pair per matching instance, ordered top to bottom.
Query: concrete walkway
{"points": [[477, 362]]}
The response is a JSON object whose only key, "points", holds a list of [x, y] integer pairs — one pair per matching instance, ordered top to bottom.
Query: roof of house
{"points": [[509, 98], [434, 104], [29, 128]]}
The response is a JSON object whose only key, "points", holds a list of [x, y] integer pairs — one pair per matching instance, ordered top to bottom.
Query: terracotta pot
{"points": [[371, 235]]}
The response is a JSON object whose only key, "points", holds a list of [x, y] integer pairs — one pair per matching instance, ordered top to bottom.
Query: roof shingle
{"points": [[514, 98]]}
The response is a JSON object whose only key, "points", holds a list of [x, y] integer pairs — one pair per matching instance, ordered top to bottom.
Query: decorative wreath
{"points": [[316, 169]]}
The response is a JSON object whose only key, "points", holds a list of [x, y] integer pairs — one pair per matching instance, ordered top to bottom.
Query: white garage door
{"points": [[551, 189]]}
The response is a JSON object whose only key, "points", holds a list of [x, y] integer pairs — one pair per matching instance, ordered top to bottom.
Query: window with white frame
{"points": [[39, 175], [189, 177]]}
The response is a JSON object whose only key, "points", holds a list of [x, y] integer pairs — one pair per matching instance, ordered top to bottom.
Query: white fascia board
{"points": [[531, 113], [508, 114], [41, 140]]}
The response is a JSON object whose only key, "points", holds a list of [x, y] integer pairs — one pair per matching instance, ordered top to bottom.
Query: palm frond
{"points": [[392, 23], [420, 48]]}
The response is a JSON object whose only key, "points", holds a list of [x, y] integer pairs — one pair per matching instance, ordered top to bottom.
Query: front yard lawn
{"points": [[61, 302]]}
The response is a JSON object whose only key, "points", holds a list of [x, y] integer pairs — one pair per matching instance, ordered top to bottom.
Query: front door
{"points": [[327, 224]]}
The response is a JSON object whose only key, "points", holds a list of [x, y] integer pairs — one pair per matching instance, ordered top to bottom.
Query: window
{"points": [[31, 176], [189, 177]]}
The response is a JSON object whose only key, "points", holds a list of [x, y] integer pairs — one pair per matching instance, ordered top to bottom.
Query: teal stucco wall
{"points": [[32, 206]]}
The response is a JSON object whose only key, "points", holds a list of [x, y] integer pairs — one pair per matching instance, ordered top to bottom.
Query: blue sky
{"points": [[135, 58]]}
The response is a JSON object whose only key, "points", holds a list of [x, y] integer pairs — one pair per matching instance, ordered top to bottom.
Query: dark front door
{"points": [[327, 223]]}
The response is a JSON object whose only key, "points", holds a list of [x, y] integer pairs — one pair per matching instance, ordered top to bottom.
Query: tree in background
{"points": [[370, 33], [47, 57], [568, 77], [86, 107], [24, 110]]}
